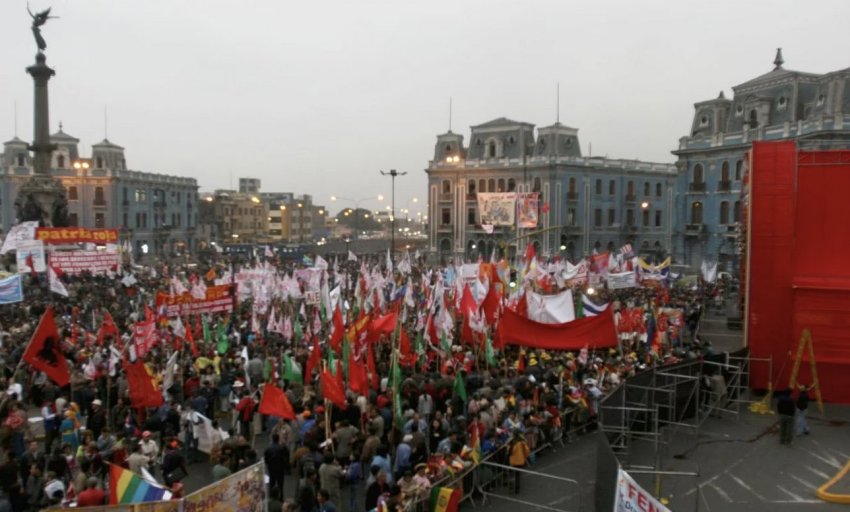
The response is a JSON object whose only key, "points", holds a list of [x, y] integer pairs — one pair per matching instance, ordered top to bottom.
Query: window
{"points": [[821, 99], [782, 103], [739, 110], [754, 119], [703, 121], [491, 149], [22, 160], [60, 161], [100, 162], [738, 166], [724, 172], [698, 177], [482, 185], [491, 185], [501, 185], [511, 185], [536, 185], [447, 187], [471, 187], [572, 187], [598, 187], [612, 187], [630, 189], [646, 189], [658, 189], [72, 193], [124, 194], [98, 195], [141, 195], [724, 212], [737, 212], [696, 213], [446, 216], [470, 216], [571, 216], [612, 216], [597, 217], [630, 217], [658, 218], [645, 219], [73, 220], [99, 220], [126, 220], [144, 220]]}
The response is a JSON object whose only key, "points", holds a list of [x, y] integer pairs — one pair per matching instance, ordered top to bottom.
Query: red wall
{"points": [[799, 266]]}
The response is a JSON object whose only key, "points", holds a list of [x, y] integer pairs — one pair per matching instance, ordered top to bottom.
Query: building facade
{"points": [[812, 108], [585, 203], [156, 212], [234, 217]]}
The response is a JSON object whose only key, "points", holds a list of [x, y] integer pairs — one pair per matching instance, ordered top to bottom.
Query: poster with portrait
{"points": [[497, 209], [527, 210], [30, 252]]}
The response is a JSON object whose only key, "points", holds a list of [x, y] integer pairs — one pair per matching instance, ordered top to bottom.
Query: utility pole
{"points": [[393, 173]]}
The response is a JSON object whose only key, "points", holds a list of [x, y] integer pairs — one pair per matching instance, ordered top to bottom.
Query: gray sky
{"points": [[317, 97]]}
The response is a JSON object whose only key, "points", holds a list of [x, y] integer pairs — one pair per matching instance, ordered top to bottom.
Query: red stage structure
{"points": [[797, 268]]}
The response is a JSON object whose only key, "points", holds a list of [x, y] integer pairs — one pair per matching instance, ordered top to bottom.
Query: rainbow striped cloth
{"points": [[128, 487]]}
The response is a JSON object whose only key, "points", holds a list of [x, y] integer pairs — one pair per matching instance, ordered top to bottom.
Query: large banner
{"points": [[497, 209], [526, 210], [18, 233], [76, 235], [32, 250], [75, 262], [622, 280], [11, 290], [218, 299], [551, 309], [595, 332], [244, 491], [631, 497], [151, 506]]}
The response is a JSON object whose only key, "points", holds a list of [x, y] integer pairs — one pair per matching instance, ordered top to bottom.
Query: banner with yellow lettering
{"points": [[76, 235]]}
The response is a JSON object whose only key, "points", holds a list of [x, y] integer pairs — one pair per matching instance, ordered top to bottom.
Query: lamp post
{"points": [[393, 173]]}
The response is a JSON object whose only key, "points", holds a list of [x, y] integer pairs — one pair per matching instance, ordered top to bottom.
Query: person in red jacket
{"points": [[245, 407], [92, 496]]}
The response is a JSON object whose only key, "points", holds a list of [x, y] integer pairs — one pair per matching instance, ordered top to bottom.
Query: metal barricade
{"points": [[501, 482]]}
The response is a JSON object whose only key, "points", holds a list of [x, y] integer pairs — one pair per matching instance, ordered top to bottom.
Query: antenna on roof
{"points": [[558, 103], [450, 114], [105, 124]]}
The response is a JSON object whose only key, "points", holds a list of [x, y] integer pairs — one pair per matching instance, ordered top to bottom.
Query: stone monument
{"points": [[42, 197]]}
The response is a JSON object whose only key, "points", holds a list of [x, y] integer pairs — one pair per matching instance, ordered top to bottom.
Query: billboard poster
{"points": [[497, 209], [527, 211], [27, 249], [75, 262], [244, 491]]}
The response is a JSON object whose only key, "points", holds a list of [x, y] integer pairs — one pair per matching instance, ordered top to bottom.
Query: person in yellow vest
{"points": [[519, 452]]}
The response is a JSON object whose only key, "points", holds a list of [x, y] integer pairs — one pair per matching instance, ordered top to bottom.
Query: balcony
{"points": [[724, 186], [696, 188], [572, 196], [446, 197], [471, 197], [630, 198], [100, 203], [125, 203], [159, 204], [630, 228], [694, 229], [572, 230]]}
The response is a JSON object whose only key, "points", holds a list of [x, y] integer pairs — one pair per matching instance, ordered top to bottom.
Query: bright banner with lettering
{"points": [[497, 209], [527, 211], [76, 235], [75, 262], [622, 280], [11, 290], [217, 299], [244, 491], [631, 497]]}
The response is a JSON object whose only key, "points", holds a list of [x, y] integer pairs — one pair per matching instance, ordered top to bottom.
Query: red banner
{"points": [[75, 235], [75, 262], [218, 299], [594, 332], [144, 337]]}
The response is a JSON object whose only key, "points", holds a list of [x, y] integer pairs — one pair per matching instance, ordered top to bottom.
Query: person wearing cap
{"points": [[97, 418], [150, 449], [421, 478]]}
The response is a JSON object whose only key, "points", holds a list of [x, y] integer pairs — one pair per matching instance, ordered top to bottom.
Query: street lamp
{"points": [[81, 165], [393, 173], [356, 208]]}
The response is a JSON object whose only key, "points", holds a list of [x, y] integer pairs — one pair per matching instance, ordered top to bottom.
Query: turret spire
{"points": [[778, 61]]}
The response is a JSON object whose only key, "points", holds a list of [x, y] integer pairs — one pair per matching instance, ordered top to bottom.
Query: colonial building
{"points": [[812, 108], [586, 203], [156, 212], [234, 217]]}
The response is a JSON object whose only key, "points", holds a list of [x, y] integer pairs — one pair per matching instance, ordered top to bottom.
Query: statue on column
{"points": [[39, 19]]}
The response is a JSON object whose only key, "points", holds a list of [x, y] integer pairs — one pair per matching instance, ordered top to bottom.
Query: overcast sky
{"points": [[317, 97]]}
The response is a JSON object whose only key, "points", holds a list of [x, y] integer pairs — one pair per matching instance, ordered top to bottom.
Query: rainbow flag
{"points": [[128, 487]]}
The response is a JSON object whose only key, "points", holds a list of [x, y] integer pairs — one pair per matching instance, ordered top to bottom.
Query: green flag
{"points": [[296, 327], [206, 329], [223, 342], [444, 342], [418, 344], [488, 352], [346, 355], [332, 362], [268, 370], [291, 370], [395, 381], [459, 387]]}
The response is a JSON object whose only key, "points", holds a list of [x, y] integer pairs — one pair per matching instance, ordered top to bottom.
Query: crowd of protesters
{"points": [[371, 453]]}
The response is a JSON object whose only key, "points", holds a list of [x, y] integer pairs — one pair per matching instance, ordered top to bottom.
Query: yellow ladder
{"points": [[806, 339]]}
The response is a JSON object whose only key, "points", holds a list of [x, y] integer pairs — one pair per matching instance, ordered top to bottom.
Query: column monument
{"points": [[42, 198]]}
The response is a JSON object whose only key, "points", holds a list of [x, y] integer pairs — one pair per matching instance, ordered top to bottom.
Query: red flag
{"points": [[530, 253], [31, 264], [467, 302], [491, 304], [522, 307], [382, 325], [199, 327], [107, 328], [339, 330], [597, 331], [144, 337], [190, 337], [404, 343], [44, 352], [313, 360], [370, 361], [520, 365], [357, 379], [331, 390], [143, 393], [275, 403]]}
